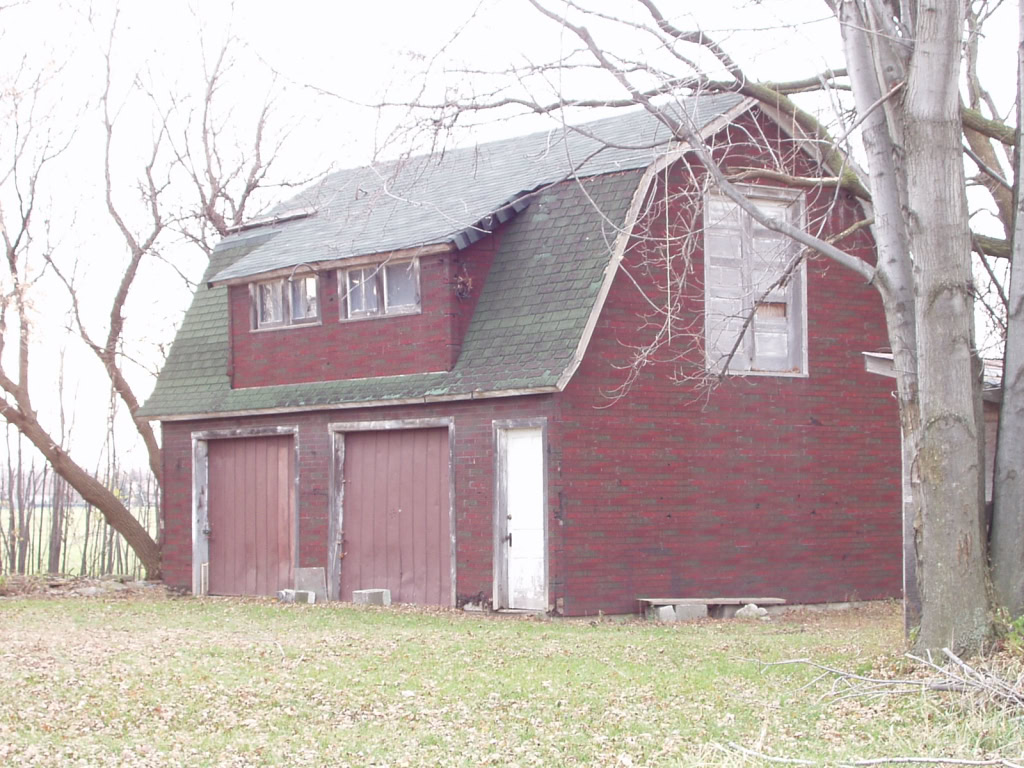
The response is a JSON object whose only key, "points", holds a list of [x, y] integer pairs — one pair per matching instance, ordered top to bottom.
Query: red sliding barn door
{"points": [[252, 515], [395, 515]]}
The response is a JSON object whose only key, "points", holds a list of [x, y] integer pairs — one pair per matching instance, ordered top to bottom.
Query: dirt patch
{"points": [[126, 587]]}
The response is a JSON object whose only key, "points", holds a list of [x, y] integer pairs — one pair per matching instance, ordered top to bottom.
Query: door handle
{"points": [[508, 538]]}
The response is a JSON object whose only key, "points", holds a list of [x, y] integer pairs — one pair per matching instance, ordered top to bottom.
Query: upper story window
{"points": [[392, 288], [283, 303], [753, 310]]}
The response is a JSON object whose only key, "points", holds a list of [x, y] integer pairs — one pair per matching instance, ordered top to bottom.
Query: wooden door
{"points": [[396, 510], [252, 515], [524, 540]]}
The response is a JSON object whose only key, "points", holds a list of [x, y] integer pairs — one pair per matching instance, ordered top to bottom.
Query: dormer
{"points": [[387, 314]]}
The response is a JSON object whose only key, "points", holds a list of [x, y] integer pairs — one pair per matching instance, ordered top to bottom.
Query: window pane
{"points": [[402, 287], [362, 292], [304, 299], [270, 304], [771, 310]]}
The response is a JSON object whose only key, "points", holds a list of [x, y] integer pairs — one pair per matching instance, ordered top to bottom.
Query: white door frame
{"points": [[500, 597]]}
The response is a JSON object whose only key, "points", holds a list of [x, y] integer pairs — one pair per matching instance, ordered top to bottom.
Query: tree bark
{"points": [[881, 129], [56, 525], [1007, 535], [950, 546]]}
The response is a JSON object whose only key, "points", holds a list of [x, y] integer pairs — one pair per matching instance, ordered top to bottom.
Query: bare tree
{"points": [[903, 65], [29, 146], [225, 175], [181, 199]]}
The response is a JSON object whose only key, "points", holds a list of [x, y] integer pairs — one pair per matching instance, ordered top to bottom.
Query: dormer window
{"points": [[392, 288], [286, 302]]}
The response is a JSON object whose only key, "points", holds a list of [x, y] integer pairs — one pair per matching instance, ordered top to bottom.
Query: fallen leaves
{"points": [[218, 682]]}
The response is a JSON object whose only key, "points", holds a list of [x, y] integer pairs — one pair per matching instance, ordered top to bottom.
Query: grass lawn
{"points": [[223, 682]]}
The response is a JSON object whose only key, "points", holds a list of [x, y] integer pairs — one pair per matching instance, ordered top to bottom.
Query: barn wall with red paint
{"points": [[764, 485]]}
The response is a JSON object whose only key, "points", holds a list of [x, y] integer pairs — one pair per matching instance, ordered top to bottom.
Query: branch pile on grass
{"points": [[987, 688]]}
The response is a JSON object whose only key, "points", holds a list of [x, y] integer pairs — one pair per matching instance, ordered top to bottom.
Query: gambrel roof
{"points": [[569, 193]]}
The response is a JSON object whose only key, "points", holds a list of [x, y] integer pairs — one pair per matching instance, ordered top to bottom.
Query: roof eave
{"points": [[324, 265], [346, 405]]}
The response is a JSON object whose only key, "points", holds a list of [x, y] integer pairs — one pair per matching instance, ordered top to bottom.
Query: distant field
{"points": [[75, 541], [227, 682]]}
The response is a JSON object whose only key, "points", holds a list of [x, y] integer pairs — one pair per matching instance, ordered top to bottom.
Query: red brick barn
{"points": [[482, 377]]}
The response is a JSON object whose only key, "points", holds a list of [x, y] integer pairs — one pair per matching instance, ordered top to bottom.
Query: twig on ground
{"points": [[956, 675], [768, 758], [932, 761], [996, 761]]}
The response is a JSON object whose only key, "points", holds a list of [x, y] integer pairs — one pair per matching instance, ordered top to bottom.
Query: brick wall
{"points": [[761, 486]]}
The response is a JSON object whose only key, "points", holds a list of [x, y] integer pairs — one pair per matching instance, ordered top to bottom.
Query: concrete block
{"points": [[312, 580], [305, 596], [371, 596], [690, 612], [665, 613]]}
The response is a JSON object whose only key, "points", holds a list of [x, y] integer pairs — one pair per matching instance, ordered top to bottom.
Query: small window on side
{"points": [[402, 287], [391, 288], [363, 293], [286, 302], [269, 304], [304, 304]]}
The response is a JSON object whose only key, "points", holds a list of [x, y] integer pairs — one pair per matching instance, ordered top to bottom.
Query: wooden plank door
{"points": [[396, 508], [252, 515], [524, 540]]}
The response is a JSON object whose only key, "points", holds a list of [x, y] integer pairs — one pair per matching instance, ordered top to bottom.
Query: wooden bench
{"points": [[716, 607]]}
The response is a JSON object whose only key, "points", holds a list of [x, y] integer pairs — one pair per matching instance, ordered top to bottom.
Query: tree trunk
{"points": [[894, 280], [23, 516], [56, 525], [1007, 536], [950, 546], [84, 569]]}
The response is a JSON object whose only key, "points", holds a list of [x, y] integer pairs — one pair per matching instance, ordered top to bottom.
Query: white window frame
{"points": [[370, 272], [379, 273], [284, 286], [796, 300]]}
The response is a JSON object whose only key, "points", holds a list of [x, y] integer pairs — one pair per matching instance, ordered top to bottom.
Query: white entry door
{"points": [[524, 540]]}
